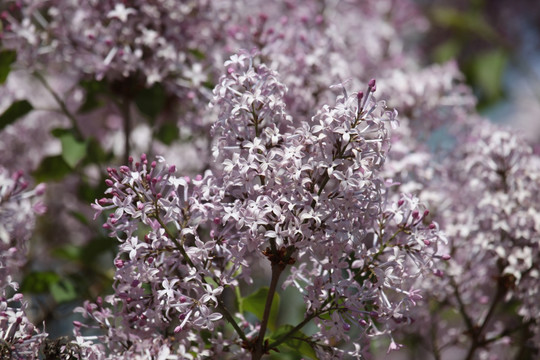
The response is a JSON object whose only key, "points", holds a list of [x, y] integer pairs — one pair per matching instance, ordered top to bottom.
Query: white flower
{"points": [[120, 12]]}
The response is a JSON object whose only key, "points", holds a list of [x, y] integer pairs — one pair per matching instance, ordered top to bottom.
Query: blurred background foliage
{"points": [[490, 39]]}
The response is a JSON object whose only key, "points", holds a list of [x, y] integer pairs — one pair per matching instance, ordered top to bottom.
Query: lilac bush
{"points": [[303, 176]]}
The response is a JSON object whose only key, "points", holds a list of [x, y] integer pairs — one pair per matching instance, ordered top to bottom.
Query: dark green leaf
{"points": [[472, 23], [198, 54], [7, 57], [487, 73], [94, 90], [151, 101], [15, 111], [59, 132], [168, 133], [95, 153], [52, 168], [88, 193], [79, 216], [96, 247], [68, 252], [39, 282], [147, 288], [255, 303], [298, 341]]}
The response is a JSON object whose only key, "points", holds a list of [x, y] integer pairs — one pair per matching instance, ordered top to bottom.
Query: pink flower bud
{"points": [[40, 189], [438, 273]]}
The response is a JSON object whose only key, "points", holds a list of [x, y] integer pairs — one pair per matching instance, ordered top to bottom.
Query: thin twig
{"points": [[61, 103]]}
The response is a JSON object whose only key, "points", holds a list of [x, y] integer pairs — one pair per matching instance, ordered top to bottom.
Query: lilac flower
{"points": [[307, 194], [18, 208]]}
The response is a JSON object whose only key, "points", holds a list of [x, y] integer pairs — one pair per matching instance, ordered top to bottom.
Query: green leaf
{"points": [[473, 23], [446, 51], [198, 54], [7, 57], [487, 73], [93, 90], [151, 101], [15, 111], [168, 133], [73, 150], [95, 153], [52, 168], [89, 193], [79, 216], [96, 247], [68, 252], [39, 282], [147, 288], [63, 291], [239, 299], [255, 303], [298, 341]]}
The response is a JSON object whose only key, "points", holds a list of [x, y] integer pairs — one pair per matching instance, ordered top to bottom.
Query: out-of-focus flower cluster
{"points": [[161, 41], [485, 196], [18, 206]]}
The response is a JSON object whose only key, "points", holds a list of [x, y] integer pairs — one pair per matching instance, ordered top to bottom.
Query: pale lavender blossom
{"points": [[308, 194]]}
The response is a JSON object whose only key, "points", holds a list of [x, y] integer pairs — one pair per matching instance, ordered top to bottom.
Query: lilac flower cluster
{"points": [[158, 41], [308, 197], [488, 205], [18, 207], [19, 338]]}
